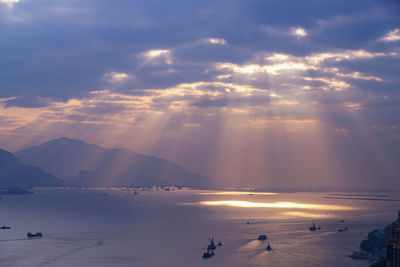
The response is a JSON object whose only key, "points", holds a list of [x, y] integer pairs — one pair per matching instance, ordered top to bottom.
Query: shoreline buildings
{"points": [[393, 245]]}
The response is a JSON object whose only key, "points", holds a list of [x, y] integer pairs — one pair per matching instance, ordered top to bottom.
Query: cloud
{"points": [[9, 3], [298, 32], [392, 36], [219, 41], [157, 56], [276, 63], [322, 70], [116, 76], [254, 78], [235, 101], [28, 102]]}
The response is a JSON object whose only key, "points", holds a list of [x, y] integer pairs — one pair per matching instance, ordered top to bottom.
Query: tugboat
{"points": [[4, 227], [32, 235], [262, 237], [268, 248]]}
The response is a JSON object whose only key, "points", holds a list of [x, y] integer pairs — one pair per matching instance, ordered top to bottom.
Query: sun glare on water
{"points": [[236, 193], [283, 205]]}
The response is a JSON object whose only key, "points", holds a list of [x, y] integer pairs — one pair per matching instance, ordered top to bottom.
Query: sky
{"points": [[262, 93]]}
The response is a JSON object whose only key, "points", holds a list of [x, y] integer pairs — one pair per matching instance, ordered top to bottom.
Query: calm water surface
{"points": [[158, 228]]}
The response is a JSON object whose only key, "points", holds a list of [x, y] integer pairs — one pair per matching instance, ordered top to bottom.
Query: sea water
{"points": [[115, 227]]}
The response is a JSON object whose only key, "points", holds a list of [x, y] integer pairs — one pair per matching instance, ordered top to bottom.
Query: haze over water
{"points": [[115, 227]]}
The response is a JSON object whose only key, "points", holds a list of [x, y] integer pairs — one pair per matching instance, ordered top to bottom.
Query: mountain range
{"points": [[80, 163], [14, 173]]}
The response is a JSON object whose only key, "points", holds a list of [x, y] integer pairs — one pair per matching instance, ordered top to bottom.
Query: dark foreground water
{"points": [[158, 228]]}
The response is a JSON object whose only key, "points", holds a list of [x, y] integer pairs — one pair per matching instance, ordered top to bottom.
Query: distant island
{"points": [[15, 191]]}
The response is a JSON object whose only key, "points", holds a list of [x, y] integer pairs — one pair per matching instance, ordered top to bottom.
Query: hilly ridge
{"points": [[77, 162], [13, 173]]}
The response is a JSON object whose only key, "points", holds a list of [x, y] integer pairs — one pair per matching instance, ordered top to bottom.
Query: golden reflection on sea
{"points": [[236, 193], [283, 205], [303, 214]]}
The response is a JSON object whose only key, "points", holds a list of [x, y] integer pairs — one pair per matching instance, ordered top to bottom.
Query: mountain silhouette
{"points": [[81, 163], [14, 173]]}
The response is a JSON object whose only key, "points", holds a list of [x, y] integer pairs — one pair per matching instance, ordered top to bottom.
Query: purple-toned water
{"points": [[158, 228]]}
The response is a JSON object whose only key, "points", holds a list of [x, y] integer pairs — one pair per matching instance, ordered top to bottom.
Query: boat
{"points": [[4, 227], [313, 228], [343, 230], [32, 235], [262, 237], [219, 244], [212, 245], [268, 248], [210, 249], [208, 254], [360, 255]]}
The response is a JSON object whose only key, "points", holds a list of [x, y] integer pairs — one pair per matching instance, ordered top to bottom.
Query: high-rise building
{"points": [[393, 245]]}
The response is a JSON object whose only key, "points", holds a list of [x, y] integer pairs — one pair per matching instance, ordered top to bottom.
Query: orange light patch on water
{"points": [[236, 193], [283, 205], [308, 214]]}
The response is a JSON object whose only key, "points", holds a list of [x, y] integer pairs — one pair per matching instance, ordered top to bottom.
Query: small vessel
{"points": [[4, 227], [313, 228], [343, 229], [32, 235], [262, 237], [219, 244], [212, 245], [268, 248], [210, 249], [208, 254], [360, 255]]}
